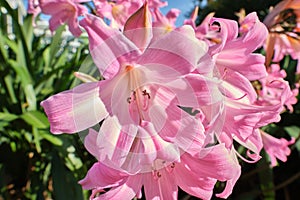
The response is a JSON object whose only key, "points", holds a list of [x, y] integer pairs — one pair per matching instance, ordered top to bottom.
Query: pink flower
{"points": [[157, 3], [34, 8], [64, 11], [117, 12], [167, 23], [205, 31], [284, 37], [235, 53], [232, 54], [145, 83], [275, 90], [240, 117], [276, 148], [195, 175]]}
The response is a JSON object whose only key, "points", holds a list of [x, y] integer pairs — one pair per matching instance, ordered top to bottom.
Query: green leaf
{"points": [[27, 29], [56, 42], [12, 44], [3, 50], [26, 81], [9, 85], [30, 96], [4, 116], [36, 119], [293, 131], [51, 138], [36, 139], [266, 178], [65, 186]]}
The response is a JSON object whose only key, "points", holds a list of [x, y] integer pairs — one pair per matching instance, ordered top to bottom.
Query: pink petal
{"points": [[63, 11], [172, 15], [57, 21], [138, 27], [226, 29], [256, 36], [108, 46], [174, 54], [236, 60], [238, 87], [203, 89], [115, 94], [75, 110], [172, 123], [89, 142], [113, 143], [153, 144], [254, 145], [129, 147], [276, 148], [214, 162], [100, 176], [235, 176], [190, 182], [163, 187], [128, 190]]}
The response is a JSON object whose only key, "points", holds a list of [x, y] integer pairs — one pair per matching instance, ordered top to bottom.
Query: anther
{"points": [[145, 93]]}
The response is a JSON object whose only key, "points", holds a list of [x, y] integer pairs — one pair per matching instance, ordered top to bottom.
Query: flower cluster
{"points": [[174, 102]]}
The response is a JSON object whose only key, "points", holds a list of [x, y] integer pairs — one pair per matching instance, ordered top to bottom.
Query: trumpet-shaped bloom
{"points": [[64, 11], [235, 53], [237, 65], [145, 83], [274, 90], [276, 148], [195, 174]]}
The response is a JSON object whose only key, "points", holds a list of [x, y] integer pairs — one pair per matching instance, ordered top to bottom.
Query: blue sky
{"points": [[184, 5]]}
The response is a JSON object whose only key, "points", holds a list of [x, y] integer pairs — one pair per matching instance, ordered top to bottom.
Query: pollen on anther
{"points": [[158, 174]]}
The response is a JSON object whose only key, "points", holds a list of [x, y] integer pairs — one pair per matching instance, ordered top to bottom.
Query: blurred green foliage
{"points": [[35, 164]]}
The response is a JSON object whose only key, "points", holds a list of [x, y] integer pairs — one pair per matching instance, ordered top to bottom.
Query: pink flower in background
{"points": [[157, 3], [34, 8], [64, 11], [117, 12], [167, 22], [283, 24], [205, 31], [235, 53], [236, 66], [274, 90], [276, 148], [195, 174]]}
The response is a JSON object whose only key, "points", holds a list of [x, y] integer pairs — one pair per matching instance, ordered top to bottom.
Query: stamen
{"points": [[145, 93], [171, 167], [156, 175]]}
